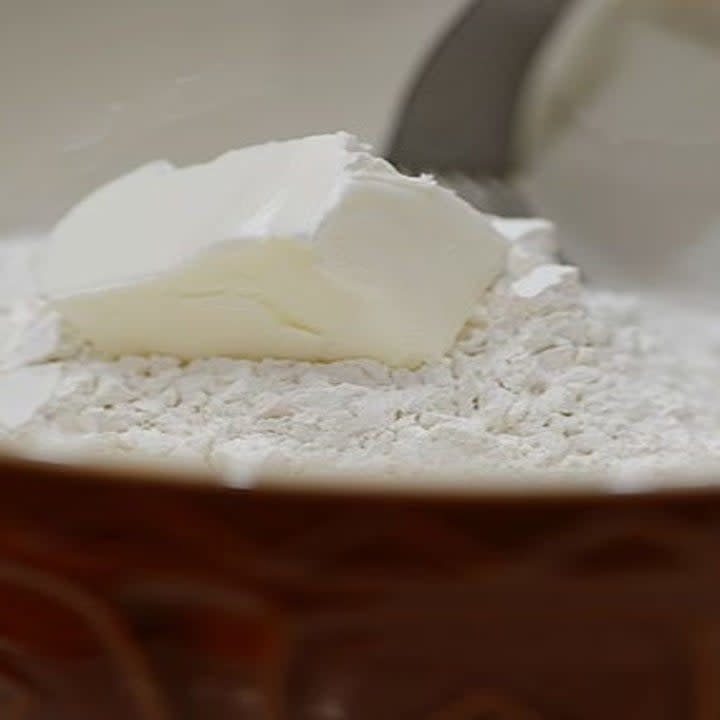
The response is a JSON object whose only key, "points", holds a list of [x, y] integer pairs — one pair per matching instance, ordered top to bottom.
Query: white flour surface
{"points": [[547, 377]]}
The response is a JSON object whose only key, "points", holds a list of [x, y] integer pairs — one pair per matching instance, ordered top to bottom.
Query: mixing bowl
{"points": [[134, 596], [126, 597]]}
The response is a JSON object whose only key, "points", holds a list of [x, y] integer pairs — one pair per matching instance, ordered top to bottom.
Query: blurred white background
{"points": [[91, 88]]}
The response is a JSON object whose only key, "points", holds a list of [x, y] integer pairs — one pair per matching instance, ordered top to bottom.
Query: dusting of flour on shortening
{"points": [[547, 376]]}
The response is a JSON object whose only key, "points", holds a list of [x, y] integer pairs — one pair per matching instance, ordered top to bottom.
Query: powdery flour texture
{"points": [[547, 377]]}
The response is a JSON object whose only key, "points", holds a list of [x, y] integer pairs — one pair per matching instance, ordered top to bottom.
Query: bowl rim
{"points": [[455, 491]]}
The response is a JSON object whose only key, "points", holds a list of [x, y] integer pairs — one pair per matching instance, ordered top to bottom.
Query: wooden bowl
{"points": [[125, 598]]}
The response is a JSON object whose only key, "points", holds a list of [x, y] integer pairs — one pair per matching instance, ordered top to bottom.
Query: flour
{"points": [[547, 377]]}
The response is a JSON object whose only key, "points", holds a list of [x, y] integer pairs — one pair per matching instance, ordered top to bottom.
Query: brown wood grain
{"points": [[123, 597]]}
